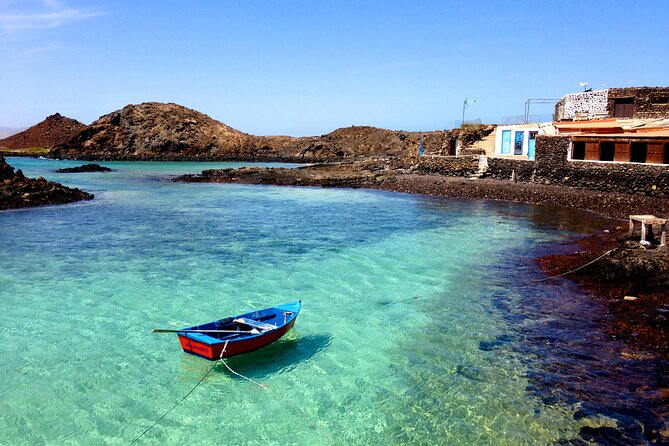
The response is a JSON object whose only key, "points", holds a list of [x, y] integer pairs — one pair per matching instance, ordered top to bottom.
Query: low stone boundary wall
{"points": [[460, 166], [505, 169]]}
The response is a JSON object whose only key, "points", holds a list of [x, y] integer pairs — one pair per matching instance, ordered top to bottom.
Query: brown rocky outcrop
{"points": [[53, 131], [158, 132], [361, 141], [349, 143], [17, 191]]}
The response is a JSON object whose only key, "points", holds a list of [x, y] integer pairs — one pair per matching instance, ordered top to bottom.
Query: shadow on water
{"points": [[279, 357]]}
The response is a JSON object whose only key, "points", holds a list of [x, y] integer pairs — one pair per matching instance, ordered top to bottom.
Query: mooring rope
{"points": [[576, 269], [262, 386], [172, 408], [297, 410]]}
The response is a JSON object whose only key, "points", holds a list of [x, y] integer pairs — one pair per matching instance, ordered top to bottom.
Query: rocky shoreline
{"points": [[400, 176], [18, 191]]}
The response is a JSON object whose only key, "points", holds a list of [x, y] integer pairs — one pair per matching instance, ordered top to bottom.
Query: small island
{"points": [[84, 168]]}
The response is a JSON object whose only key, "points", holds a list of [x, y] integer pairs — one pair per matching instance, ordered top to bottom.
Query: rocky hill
{"points": [[53, 131], [156, 131], [357, 141], [344, 143]]}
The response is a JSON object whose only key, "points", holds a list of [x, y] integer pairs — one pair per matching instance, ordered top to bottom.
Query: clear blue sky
{"points": [[299, 67]]}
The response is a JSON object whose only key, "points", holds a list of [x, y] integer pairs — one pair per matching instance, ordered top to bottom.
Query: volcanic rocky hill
{"points": [[53, 131], [156, 131], [354, 142], [344, 143]]}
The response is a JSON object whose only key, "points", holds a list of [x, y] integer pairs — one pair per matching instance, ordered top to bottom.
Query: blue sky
{"points": [[297, 67]]}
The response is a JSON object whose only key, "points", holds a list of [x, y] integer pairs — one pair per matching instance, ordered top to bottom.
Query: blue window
{"points": [[506, 142], [518, 143]]}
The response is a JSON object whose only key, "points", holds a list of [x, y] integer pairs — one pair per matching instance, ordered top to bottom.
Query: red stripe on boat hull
{"points": [[234, 347]]}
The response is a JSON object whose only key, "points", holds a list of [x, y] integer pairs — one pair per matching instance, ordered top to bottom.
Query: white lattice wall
{"points": [[591, 103]]}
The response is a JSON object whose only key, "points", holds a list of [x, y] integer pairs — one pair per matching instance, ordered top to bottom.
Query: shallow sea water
{"points": [[399, 295]]}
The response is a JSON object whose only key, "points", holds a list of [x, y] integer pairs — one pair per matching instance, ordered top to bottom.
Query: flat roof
{"points": [[596, 124], [628, 128], [664, 133]]}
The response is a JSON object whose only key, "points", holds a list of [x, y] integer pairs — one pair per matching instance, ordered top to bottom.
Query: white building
{"points": [[517, 141]]}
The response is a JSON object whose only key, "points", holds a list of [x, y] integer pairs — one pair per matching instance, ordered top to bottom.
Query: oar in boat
{"points": [[168, 330]]}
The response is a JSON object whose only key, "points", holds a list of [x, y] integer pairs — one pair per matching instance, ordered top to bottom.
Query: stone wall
{"points": [[587, 102], [649, 102], [438, 142], [551, 150], [461, 166], [551, 166], [516, 169]]}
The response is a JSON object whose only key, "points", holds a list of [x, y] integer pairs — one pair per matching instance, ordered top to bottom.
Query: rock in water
{"points": [[85, 168], [17, 191]]}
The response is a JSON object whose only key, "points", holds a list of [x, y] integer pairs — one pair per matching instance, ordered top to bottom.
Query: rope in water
{"points": [[576, 269], [262, 386], [172, 408], [297, 410]]}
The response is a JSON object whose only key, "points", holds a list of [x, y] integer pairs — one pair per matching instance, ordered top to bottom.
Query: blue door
{"points": [[506, 142], [518, 143], [530, 145]]}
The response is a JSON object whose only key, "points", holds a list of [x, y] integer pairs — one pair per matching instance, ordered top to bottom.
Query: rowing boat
{"points": [[235, 335]]}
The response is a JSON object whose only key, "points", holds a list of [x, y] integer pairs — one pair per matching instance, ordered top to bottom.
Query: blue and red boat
{"points": [[237, 334]]}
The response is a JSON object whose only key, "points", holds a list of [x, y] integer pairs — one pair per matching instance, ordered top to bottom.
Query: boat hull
{"points": [[214, 347], [215, 351]]}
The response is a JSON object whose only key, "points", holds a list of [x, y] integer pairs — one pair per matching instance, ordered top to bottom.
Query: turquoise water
{"points": [[397, 299]]}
